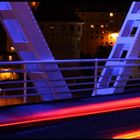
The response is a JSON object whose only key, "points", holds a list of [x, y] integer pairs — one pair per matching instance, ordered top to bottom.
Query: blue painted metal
{"points": [[5, 6], [27, 38], [126, 46]]}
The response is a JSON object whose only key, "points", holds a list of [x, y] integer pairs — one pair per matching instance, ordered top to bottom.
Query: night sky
{"points": [[59, 9]]}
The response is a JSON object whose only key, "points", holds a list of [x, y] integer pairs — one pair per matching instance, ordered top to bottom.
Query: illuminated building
{"points": [[96, 28], [100, 29], [73, 37]]}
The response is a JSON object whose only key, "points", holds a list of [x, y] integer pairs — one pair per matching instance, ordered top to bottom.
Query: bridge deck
{"points": [[48, 111]]}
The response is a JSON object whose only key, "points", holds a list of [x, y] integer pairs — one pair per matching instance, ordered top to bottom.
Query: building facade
{"points": [[100, 29], [63, 38], [77, 38]]}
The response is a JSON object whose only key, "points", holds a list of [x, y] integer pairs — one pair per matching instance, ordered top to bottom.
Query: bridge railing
{"points": [[81, 76]]}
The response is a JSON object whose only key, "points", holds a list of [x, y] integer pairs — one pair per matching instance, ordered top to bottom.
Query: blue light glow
{"points": [[5, 6], [15, 30], [27, 56]]}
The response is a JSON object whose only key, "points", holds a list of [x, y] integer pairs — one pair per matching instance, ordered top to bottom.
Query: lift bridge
{"points": [[109, 76]]}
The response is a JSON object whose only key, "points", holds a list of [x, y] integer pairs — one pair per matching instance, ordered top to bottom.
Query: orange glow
{"points": [[33, 4], [113, 35], [10, 57], [7, 75], [81, 110], [129, 135]]}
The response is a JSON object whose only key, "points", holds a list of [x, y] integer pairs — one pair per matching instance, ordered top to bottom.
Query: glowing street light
{"points": [[34, 5], [111, 14], [91, 26], [114, 35]]}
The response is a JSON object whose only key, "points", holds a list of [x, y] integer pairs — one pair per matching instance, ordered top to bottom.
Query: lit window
{"points": [[33, 4], [111, 14], [91, 26], [102, 26], [52, 27], [113, 36], [12, 49], [10, 58]]}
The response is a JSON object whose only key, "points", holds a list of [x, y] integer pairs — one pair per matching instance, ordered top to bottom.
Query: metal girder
{"points": [[24, 32], [127, 46]]}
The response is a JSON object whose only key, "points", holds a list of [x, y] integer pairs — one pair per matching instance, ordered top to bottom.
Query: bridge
{"points": [[54, 91]]}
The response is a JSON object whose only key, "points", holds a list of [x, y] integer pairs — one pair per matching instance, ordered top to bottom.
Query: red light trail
{"points": [[82, 110]]}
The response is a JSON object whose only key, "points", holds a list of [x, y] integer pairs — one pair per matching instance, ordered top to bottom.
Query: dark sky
{"points": [[88, 3], [65, 8]]}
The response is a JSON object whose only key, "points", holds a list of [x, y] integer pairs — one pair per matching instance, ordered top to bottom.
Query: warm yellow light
{"points": [[33, 4], [111, 14], [91, 26], [102, 26], [114, 35], [12, 49], [10, 57], [5, 69], [7, 75]]}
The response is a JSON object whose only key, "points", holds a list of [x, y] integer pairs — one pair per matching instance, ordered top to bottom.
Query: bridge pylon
{"points": [[30, 44], [127, 46]]}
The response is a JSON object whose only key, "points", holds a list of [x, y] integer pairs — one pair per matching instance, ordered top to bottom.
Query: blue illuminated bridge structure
{"points": [[79, 98]]}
